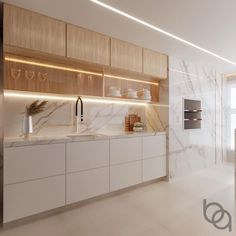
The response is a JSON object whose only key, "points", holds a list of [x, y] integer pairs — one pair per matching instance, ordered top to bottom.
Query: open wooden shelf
{"points": [[37, 72]]}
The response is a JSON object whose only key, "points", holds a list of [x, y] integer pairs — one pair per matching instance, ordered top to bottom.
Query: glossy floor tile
{"points": [[172, 208]]}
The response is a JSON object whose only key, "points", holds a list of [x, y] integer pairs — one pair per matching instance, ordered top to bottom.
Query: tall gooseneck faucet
{"points": [[81, 112]]}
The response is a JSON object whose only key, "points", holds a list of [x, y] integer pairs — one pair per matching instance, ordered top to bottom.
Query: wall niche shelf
{"points": [[26, 70], [192, 114]]}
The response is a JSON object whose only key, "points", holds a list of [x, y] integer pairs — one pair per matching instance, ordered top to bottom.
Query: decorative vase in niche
{"points": [[27, 126]]}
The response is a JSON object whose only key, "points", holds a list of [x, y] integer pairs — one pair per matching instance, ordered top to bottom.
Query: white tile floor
{"points": [[159, 209]]}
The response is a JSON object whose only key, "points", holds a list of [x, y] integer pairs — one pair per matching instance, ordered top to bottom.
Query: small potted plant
{"points": [[34, 108]]}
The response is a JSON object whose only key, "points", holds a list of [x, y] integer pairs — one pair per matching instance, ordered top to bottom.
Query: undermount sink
{"points": [[84, 135]]}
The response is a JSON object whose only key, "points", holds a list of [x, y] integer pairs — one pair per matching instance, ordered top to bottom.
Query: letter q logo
{"points": [[218, 216]]}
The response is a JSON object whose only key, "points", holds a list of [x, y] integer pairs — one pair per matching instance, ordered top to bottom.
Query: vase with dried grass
{"points": [[34, 108]]}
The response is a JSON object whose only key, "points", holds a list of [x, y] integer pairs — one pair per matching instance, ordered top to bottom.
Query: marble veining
{"points": [[59, 117], [191, 150]]}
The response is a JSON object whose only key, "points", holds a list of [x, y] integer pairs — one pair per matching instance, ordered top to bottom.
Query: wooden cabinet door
{"points": [[27, 29], [87, 45], [126, 55], [155, 64]]}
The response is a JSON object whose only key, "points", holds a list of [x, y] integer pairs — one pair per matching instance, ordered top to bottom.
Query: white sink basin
{"points": [[84, 135]]}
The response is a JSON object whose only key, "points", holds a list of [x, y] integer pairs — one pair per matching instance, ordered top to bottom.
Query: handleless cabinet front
{"points": [[30, 30], [88, 45], [126, 56], [155, 64], [125, 150], [154, 157], [125, 160], [33, 162], [87, 170], [34, 180]]}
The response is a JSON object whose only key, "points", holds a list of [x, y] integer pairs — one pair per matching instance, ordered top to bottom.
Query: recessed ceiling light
{"points": [[142, 22]]}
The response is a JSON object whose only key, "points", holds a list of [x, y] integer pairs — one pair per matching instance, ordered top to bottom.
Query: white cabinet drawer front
{"points": [[154, 146], [125, 150], [87, 155], [32, 162], [154, 168], [125, 175], [87, 184], [25, 199]]}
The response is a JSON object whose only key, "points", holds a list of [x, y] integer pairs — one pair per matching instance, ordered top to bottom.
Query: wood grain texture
{"points": [[31, 30], [87, 45], [125, 55], [155, 64], [48, 80]]}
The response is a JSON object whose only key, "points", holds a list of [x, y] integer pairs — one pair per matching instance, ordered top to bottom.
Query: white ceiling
{"points": [[210, 24]]}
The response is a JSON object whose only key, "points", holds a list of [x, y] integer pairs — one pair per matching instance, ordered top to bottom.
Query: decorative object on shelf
{"points": [[15, 73], [29, 75], [42, 76], [114, 91], [132, 93], [146, 94], [34, 108], [192, 114], [130, 120], [138, 126]]}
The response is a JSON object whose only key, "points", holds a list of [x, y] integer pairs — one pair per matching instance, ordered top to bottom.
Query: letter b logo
{"points": [[217, 216]]}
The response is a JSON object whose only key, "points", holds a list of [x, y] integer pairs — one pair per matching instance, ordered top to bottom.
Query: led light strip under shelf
{"points": [[51, 66], [32, 95]]}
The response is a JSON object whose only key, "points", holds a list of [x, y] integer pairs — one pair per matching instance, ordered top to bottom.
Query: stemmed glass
{"points": [[15, 73], [29, 75]]}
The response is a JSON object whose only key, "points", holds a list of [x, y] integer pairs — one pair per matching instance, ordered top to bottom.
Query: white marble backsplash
{"points": [[59, 117], [192, 150]]}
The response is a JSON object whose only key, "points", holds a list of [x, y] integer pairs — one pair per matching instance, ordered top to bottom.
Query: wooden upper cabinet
{"points": [[27, 29], [87, 45], [126, 55], [155, 64]]}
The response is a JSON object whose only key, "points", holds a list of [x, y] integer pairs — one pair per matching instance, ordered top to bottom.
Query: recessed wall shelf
{"points": [[23, 72], [192, 114]]}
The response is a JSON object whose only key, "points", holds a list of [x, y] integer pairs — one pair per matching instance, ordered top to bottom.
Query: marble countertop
{"points": [[39, 140]]}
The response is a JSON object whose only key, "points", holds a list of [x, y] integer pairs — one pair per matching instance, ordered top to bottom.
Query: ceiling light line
{"points": [[161, 31]]}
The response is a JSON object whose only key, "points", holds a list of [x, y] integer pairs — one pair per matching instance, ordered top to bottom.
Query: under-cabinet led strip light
{"points": [[142, 22], [34, 63], [129, 79], [32, 95]]}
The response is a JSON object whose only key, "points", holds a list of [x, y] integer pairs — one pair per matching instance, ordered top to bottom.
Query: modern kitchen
{"points": [[103, 134]]}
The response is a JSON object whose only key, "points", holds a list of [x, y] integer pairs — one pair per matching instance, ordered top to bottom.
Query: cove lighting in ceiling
{"points": [[142, 22]]}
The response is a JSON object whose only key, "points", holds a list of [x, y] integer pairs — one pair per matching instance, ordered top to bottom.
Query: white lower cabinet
{"points": [[125, 150], [87, 155], [154, 157], [33, 162], [154, 168], [125, 175], [43, 177], [87, 184], [28, 198]]}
